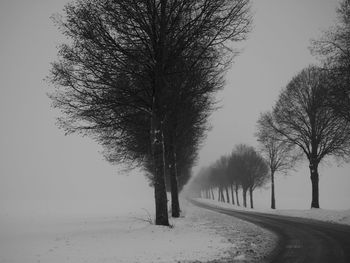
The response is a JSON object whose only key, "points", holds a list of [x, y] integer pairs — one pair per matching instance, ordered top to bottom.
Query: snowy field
{"points": [[332, 216], [198, 236]]}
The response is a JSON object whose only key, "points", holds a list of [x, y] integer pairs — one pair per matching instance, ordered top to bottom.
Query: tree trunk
{"points": [[157, 140], [159, 172], [314, 182], [212, 193], [244, 193], [222, 194], [219, 195], [227, 195], [232, 195], [237, 196], [251, 197], [273, 201], [175, 204]]}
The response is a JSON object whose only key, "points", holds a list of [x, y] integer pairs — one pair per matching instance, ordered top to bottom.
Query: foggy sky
{"points": [[43, 170]]}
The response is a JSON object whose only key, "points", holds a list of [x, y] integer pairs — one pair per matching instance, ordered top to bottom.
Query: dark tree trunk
{"points": [[157, 141], [159, 171], [314, 182], [212, 193], [244, 193], [222, 194], [219, 195], [227, 195], [232, 195], [251, 197], [237, 198], [273, 201], [175, 204]]}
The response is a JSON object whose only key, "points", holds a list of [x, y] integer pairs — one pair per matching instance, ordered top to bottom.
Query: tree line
{"points": [[140, 78], [312, 114], [311, 118], [243, 170]]}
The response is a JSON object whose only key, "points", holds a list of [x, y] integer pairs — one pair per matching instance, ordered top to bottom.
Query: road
{"points": [[300, 240]]}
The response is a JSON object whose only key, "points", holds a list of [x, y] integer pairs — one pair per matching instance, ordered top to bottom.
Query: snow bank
{"points": [[333, 216], [199, 236], [249, 243]]}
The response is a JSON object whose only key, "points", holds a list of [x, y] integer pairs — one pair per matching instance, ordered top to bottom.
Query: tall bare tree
{"points": [[113, 77], [301, 116], [280, 154]]}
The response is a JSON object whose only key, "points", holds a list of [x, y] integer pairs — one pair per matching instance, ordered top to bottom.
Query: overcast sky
{"points": [[43, 170]]}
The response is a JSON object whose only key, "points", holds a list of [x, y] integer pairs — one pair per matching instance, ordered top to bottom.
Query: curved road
{"points": [[300, 240]]}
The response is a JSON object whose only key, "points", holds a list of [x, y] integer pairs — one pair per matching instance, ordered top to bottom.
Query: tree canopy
{"points": [[333, 48]]}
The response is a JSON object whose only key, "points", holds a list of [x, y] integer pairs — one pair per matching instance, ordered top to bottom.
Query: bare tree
{"points": [[114, 75], [301, 116], [280, 154], [244, 167], [233, 168], [250, 168], [220, 175]]}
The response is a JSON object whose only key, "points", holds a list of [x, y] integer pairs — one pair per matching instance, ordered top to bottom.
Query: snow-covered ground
{"points": [[333, 216], [199, 236]]}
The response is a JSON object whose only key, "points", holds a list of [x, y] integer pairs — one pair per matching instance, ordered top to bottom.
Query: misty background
{"points": [[44, 172]]}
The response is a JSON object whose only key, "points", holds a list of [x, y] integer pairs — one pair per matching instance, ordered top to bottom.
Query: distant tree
{"points": [[333, 47], [301, 116], [279, 154], [234, 161], [244, 168], [251, 169], [220, 175], [258, 175], [203, 184]]}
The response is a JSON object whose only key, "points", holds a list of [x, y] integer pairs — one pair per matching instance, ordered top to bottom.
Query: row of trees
{"points": [[140, 77], [312, 114], [311, 117], [303, 121], [243, 169]]}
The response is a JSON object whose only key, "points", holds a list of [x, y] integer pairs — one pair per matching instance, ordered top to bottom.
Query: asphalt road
{"points": [[300, 240]]}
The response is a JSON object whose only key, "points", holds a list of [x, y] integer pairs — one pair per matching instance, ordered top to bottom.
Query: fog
{"points": [[44, 172]]}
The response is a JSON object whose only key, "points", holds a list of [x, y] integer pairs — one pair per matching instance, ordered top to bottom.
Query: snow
{"points": [[327, 215], [198, 236]]}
